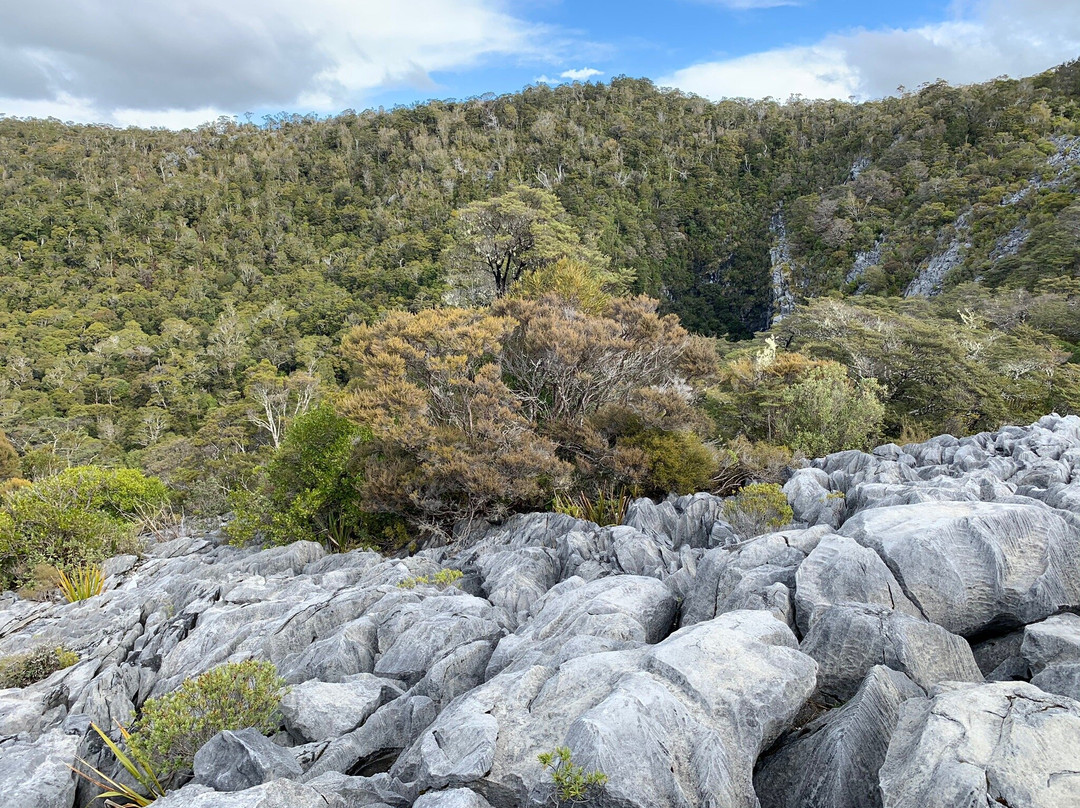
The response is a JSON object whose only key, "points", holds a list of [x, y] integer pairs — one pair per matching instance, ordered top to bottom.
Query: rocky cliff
{"points": [[912, 641]]}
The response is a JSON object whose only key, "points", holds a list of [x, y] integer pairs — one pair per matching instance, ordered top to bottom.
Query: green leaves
{"points": [[233, 696], [573, 785]]}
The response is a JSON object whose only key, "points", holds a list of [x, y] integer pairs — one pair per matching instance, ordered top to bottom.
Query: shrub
{"points": [[674, 462], [309, 490], [604, 508], [756, 508], [80, 516], [441, 579], [84, 582], [22, 670], [233, 696], [137, 766], [572, 784]]}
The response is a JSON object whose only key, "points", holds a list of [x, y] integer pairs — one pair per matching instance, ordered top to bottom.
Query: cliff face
{"points": [[911, 641]]}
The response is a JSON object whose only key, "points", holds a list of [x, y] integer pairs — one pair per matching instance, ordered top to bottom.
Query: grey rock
{"points": [[811, 501], [972, 566], [839, 570], [734, 578], [578, 617], [419, 633], [850, 639], [1054, 641], [994, 652], [1062, 678], [704, 701], [318, 711], [393, 727], [1005, 743], [834, 760], [234, 761], [37, 773], [343, 791], [275, 794], [452, 798]]}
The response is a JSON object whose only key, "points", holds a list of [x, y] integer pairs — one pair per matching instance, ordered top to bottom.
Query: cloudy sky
{"points": [[179, 63]]}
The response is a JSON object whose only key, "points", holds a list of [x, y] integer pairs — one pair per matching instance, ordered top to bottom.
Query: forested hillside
{"points": [[173, 299]]}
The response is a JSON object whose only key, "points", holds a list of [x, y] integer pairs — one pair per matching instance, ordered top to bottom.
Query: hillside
{"points": [[151, 280]]}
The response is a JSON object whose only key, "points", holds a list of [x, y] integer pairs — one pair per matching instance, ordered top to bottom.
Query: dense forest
{"points": [[174, 300]]}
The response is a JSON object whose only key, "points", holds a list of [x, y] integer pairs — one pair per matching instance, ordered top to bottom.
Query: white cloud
{"points": [[982, 40], [119, 60], [816, 72], [582, 74]]}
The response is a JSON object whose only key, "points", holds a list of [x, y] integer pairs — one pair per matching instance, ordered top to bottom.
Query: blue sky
{"points": [[182, 62]]}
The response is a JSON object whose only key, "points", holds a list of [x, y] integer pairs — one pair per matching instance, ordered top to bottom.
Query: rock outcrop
{"points": [[913, 640]]}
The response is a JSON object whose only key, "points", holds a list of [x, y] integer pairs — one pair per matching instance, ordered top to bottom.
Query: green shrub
{"points": [[676, 462], [309, 491], [758, 507], [605, 508], [77, 517], [441, 579], [22, 670], [233, 696], [572, 784]]}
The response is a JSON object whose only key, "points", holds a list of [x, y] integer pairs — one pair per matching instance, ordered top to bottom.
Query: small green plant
{"points": [[606, 508], [756, 508], [82, 515], [441, 579], [84, 582], [22, 670], [233, 696], [134, 764], [572, 784]]}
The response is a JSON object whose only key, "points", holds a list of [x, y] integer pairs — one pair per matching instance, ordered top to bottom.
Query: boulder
{"points": [[973, 567], [840, 570], [578, 617], [850, 639], [1054, 641], [319, 711], [681, 721], [1004, 743], [834, 760], [234, 761], [38, 773], [275, 794], [452, 798]]}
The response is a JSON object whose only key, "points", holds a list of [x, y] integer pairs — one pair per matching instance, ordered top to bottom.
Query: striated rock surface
{"points": [[1006, 743]]}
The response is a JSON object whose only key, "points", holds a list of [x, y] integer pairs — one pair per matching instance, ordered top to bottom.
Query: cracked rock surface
{"points": [[912, 640]]}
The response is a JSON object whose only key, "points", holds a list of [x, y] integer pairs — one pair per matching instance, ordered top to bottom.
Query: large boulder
{"points": [[974, 567], [839, 570], [578, 617], [848, 640], [318, 711], [681, 721], [1004, 743], [234, 761], [833, 761], [38, 773], [275, 794]]}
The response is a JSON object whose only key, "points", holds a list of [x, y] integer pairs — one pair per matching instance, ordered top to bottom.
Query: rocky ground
{"points": [[913, 641]]}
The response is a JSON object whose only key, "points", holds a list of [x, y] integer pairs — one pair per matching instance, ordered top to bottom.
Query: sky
{"points": [[179, 63]]}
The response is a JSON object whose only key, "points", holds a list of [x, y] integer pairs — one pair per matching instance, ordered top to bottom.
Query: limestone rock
{"points": [[848, 640], [1005, 743], [834, 760], [234, 761]]}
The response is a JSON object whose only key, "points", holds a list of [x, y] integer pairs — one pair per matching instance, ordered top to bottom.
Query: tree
{"points": [[504, 238], [276, 399], [449, 440], [10, 465]]}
